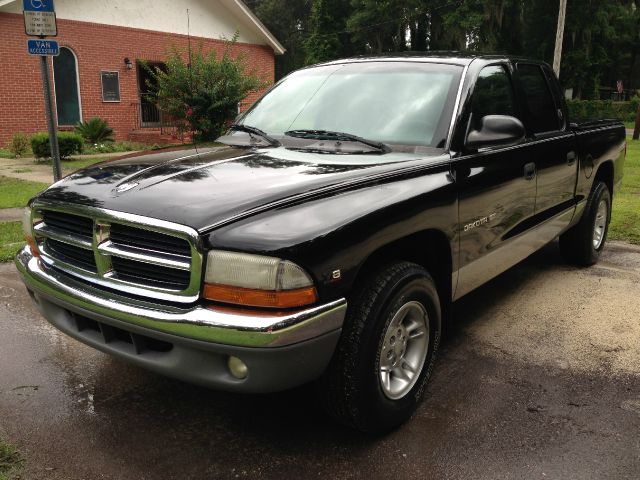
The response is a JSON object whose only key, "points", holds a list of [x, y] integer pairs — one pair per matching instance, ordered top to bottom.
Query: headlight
{"points": [[27, 229], [257, 281]]}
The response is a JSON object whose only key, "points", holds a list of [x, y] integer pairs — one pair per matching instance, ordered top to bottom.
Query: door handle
{"points": [[571, 158], [530, 171]]}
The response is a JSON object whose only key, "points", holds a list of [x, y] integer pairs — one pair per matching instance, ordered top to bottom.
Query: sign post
{"points": [[40, 21]]}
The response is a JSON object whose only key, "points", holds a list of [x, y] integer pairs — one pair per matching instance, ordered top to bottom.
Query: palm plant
{"points": [[95, 130]]}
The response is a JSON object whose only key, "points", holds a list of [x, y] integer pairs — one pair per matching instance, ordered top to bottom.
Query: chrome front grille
{"points": [[129, 253]]}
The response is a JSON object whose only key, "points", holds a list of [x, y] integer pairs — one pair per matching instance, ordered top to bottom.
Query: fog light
{"points": [[237, 368]]}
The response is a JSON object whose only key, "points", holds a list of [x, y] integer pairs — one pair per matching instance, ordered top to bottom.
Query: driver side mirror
{"points": [[495, 131]]}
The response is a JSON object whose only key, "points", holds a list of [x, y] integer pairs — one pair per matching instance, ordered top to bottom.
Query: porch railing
{"points": [[148, 115]]}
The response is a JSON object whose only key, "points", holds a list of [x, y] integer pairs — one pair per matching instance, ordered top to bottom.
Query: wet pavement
{"points": [[538, 377]]}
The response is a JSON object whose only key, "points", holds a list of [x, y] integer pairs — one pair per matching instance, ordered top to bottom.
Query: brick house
{"points": [[98, 72]]}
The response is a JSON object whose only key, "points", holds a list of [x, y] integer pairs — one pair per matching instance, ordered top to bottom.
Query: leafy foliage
{"points": [[288, 21], [326, 21], [601, 42], [204, 94], [580, 110], [95, 130], [69, 143], [19, 145], [114, 147], [10, 459]]}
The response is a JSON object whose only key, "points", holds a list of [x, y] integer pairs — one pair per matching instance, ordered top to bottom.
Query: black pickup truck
{"points": [[353, 203]]}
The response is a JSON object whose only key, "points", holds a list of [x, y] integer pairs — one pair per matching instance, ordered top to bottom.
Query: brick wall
{"points": [[97, 47]]}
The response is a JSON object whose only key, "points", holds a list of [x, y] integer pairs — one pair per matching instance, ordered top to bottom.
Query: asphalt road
{"points": [[539, 377]]}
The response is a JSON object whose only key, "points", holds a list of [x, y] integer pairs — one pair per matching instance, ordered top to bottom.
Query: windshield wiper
{"points": [[255, 131], [338, 136]]}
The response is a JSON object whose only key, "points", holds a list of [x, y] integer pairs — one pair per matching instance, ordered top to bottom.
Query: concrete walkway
{"points": [[11, 214]]}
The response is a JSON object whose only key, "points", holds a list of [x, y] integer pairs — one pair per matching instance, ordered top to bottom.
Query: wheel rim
{"points": [[600, 224], [404, 350]]}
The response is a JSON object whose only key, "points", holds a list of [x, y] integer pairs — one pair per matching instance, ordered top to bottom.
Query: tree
{"points": [[288, 21], [380, 26], [326, 37], [601, 40], [204, 94]]}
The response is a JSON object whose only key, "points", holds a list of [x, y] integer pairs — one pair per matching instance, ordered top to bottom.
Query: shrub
{"points": [[204, 95], [581, 110], [95, 130], [68, 142], [19, 145], [114, 147]]}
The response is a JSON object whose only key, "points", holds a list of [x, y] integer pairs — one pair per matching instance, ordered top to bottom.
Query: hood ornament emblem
{"points": [[125, 187]]}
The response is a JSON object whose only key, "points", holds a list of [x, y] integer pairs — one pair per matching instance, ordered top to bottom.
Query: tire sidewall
{"points": [[601, 192], [376, 406]]}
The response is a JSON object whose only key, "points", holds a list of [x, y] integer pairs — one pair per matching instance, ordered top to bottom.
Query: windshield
{"points": [[392, 102]]}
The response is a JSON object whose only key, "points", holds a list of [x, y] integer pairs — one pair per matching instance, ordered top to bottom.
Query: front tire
{"points": [[583, 243], [387, 350]]}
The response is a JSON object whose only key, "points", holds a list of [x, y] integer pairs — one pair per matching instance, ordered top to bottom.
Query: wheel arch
{"points": [[605, 174], [430, 249]]}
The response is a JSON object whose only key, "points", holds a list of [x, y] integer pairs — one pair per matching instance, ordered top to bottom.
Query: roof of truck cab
{"points": [[451, 58]]}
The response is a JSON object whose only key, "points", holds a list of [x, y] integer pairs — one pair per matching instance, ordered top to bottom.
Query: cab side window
{"points": [[492, 95], [542, 114]]}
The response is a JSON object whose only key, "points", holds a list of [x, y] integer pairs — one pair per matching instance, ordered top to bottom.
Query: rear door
{"points": [[551, 142], [496, 187]]}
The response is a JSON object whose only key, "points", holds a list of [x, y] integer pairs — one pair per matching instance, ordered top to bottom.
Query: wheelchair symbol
{"points": [[38, 4]]}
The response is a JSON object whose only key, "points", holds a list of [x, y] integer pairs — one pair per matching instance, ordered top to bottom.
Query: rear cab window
{"points": [[541, 112]]}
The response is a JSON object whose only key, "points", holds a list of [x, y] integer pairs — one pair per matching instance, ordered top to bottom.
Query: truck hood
{"points": [[206, 189]]}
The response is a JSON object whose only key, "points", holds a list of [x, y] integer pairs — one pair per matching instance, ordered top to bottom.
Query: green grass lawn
{"points": [[73, 164], [16, 193], [625, 221], [11, 240], [11, 462]]}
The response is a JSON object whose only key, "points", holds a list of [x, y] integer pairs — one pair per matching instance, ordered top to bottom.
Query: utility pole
{"points": [[557, 54]]}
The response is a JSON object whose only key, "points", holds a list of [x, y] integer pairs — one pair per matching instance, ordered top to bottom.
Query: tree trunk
{"points": [[636, 131]]}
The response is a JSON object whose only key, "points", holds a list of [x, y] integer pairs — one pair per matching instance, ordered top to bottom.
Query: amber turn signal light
{"points": [[33, 247], [261, 298]]}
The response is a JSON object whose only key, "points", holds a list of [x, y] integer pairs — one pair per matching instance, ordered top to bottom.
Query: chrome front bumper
{"points": [[216, 324], [280, 350]]}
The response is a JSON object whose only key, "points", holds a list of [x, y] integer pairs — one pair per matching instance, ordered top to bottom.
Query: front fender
{"points": [[340, 231]]}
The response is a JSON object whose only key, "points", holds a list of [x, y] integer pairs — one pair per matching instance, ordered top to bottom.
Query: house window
{"points": [[67, 88]]}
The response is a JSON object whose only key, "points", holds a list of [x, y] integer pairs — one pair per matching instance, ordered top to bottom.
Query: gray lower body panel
{"points": [[195, 361]]}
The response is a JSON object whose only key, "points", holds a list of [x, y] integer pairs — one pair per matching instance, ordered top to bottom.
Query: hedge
{"points": [[581, 110], [69, 143]]}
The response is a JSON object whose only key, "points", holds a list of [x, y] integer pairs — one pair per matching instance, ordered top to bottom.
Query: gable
{"points": [[214, 19]]}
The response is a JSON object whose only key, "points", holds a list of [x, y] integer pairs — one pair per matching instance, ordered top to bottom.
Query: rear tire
{"points": [[583, 243], [387, 350]]}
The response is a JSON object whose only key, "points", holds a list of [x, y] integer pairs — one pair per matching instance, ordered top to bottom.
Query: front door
{"points": [[496, 189]]}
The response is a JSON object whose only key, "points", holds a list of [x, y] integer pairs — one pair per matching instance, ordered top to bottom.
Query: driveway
{"points": [[539, 377]]}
